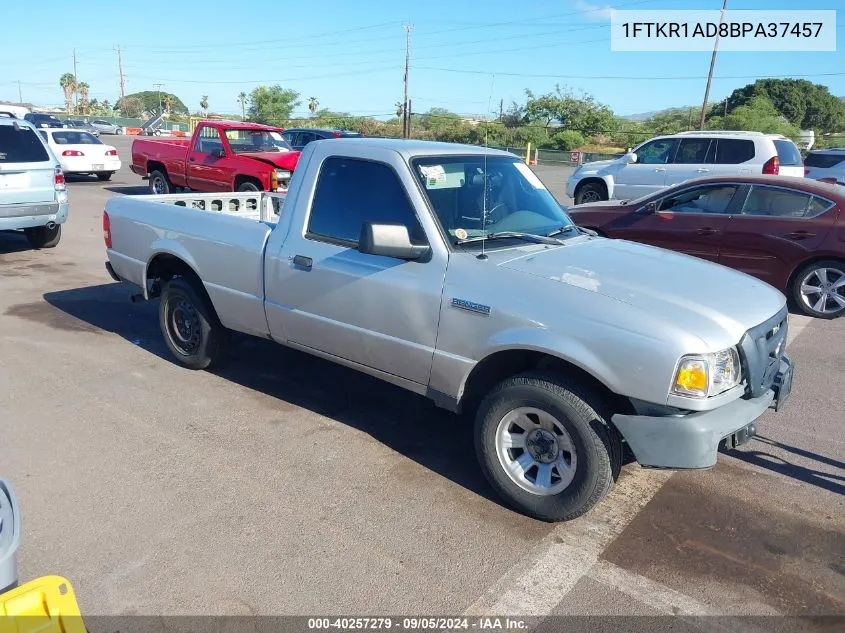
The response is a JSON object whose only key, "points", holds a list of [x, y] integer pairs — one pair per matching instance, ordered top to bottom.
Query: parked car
{"points": [[44, 120], [79, 124], [104, 127], [301, 136], [82, 153], [220, 156], [668, 160], [826, 163], [33, 194], [786, 231], [385, 258]]}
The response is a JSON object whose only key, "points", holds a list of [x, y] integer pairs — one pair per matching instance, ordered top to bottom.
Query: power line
{"points": [[628, 77]]}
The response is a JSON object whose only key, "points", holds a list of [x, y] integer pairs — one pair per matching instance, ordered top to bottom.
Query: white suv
{"points": [[668, 160], [827, 164]]}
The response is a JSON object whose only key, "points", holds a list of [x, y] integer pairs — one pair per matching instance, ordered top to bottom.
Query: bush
{"points": [[568, 140]]}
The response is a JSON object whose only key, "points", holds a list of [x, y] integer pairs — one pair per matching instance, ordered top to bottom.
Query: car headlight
{"points": [[705, 375]]}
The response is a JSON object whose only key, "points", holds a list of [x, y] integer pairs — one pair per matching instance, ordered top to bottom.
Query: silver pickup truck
{"points": [[451, 271]]}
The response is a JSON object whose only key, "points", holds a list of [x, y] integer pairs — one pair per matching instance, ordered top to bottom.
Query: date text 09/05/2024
{"points": [[709, 30], [417, 623]]}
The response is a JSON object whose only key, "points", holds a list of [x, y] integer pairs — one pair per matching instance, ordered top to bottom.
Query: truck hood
{"points": [[283, 160], [598, 165], [703, 298]]}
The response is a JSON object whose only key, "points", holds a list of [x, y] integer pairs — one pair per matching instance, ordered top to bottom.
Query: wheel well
{"points": [[155, 166], [241, 179], [588, 181], [804, 264], [165, 267], [501, 365]]}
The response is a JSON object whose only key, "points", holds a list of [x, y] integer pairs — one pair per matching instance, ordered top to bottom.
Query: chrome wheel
{"points": [[158, 185], [823, 290], [183, 325], [535, 451]]}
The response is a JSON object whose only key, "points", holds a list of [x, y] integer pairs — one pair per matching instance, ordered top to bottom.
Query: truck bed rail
{"points": [[261, 205]]}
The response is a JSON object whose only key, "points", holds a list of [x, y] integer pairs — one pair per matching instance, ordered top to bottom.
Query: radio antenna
{"points": [[483, 254]]}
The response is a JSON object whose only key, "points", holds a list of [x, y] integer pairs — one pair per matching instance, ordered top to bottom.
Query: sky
{"points": [[465, 56]]}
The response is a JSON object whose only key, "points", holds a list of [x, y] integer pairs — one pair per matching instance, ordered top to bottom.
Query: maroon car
{"points": [[789, 232]]}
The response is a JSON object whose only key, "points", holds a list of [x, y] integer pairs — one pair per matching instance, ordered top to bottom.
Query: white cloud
{"points": [[593, 11]]}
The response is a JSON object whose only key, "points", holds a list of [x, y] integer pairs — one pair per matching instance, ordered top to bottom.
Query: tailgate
{"points": [[27, 170]]}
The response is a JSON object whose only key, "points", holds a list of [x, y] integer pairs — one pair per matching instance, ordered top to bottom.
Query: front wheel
{"points": [[104, 175], [248, 187], [590, 192], [44, 237], [819, 289], [191, 329], [545, 444]]}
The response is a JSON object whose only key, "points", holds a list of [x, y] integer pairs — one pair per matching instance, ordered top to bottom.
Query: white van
{"points": [[669, 160]]}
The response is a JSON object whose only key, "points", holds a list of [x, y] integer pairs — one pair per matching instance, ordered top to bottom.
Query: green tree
{"points": [[68, 84], [83, 89], [149, 102], [242, 103], [204, 104], [272, 104], [313, 104], [805, 104], [132, 106], [583, 114], [759, 114], [568, 140]]}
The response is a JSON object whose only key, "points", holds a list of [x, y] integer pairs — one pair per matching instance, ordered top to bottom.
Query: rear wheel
{"points": [[104, 175], [159, 184], [248, 186], [590, 192], [44, 237], [819, 289], [191, 329], [545, 443]]}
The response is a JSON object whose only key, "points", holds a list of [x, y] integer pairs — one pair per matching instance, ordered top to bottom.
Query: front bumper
{"points": [[691, 440]]}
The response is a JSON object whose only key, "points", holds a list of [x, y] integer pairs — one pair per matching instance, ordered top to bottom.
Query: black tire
{"points": [[104, 175], [159, 183], [248, 186], [590, 192], [43, 237], [809, 270], [191, 329], [597, 444]]}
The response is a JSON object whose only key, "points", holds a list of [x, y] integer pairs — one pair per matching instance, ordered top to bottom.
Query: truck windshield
{"points": [[246, 141], [472, 197]]}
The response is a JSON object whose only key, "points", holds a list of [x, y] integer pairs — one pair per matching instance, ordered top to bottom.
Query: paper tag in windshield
{"points": [[434, 175], [530, 176]]}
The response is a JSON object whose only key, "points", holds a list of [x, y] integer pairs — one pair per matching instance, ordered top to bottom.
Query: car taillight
{"points": [[337, 134], [72, 152], [111, 152], [772, 166], [806, 171], [59, 180], [106, 229]]}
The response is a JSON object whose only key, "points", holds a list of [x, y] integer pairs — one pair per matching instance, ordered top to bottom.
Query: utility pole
{"points": [[712, 65], [120, 70], [76, 82], [20, 95], [159, 96], [726, 106], [501, 109], [406, 113]]}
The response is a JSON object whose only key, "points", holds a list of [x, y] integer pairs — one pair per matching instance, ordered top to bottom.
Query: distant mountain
{"points": [[644, 116]]}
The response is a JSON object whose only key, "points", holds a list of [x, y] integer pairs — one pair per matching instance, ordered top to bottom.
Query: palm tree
{"points": [[68, 84], [83, 89], [242, 101], [167, 102], [313, 104], [204, 105]]}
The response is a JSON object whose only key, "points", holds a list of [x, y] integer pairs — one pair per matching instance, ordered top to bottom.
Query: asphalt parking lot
{"points": [[282, 484]]}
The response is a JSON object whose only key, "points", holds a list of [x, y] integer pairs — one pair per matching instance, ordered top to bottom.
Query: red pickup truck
{"points": [[220, 156]]}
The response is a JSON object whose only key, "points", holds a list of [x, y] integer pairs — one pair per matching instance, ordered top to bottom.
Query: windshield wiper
{"points": [[570, 227], [503, 235]]}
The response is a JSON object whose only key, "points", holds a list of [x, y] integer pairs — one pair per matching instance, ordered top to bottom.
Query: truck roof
{"points": [[242, 125], [412, 147]]}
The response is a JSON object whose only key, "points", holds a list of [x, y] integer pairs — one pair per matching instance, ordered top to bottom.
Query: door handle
{"points": [[191, 158], [659, 169], [702, 170], [707, 231], [800, 235], [302, 261]]}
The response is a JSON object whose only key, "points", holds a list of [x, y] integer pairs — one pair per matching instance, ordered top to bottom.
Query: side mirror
{"points": [[219, 153], [630, 157], [650, 208], [389, 240]]}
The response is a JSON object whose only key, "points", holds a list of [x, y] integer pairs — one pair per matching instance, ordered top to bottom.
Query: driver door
{"points": [[206, 171], [648, 174]]}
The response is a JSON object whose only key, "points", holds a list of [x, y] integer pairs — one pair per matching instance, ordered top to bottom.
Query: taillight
{"points": [[337, 134], [72, 152], [111, 152], [772, 166], [806, 171], [59, 180], [106, 229]]}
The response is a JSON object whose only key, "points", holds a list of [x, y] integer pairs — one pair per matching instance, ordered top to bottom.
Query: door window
{"points": [[303, 138], [208, 140], [692, 151], [731, 151], [657, 152], [352, 191], [712, 199], [776, 202]]}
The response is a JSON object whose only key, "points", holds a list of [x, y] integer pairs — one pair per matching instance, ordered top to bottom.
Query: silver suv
{"points": [[828, 164], [33, 194]]}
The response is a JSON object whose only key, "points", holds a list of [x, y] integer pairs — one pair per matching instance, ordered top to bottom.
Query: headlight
{"points": [[705, 375]]}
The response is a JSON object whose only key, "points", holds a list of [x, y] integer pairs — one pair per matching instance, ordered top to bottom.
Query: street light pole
{"points": [[712, 65]]}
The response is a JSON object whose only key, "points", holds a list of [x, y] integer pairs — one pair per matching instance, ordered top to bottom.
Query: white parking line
{"points": [[797, 324], [538, 583]]}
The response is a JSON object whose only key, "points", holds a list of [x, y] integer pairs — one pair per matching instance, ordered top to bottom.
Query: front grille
{"points": [[761, 350]]}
